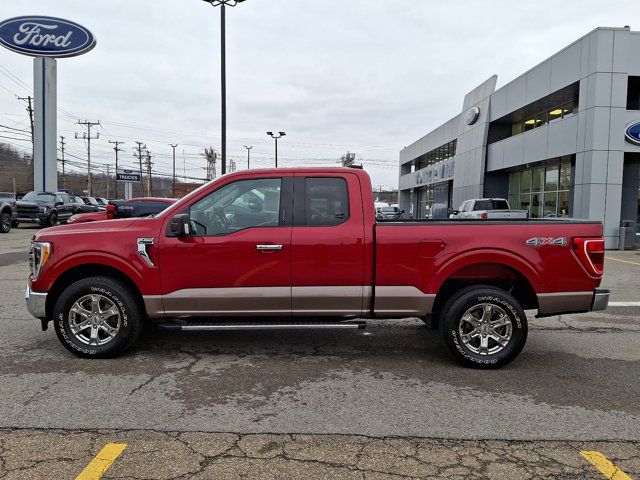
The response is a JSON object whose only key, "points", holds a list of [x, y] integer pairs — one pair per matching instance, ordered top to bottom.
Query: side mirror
{"points": [[59, 204], [402, 212], [180, 225]]}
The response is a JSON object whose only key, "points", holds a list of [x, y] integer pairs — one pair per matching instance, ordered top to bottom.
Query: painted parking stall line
{"points": [[622, 261], [102, 461], [604, 465]]}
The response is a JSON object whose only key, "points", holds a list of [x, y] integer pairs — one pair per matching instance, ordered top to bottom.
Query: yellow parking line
{"points": [[623, 261], [102, 461], [605, 466]]}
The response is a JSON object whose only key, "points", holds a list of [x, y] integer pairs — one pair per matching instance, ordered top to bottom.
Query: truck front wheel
{"points": [[5, 222], [97, 317], [483, 327]]}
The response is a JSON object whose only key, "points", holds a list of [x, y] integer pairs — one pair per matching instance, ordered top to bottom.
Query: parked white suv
{"points": [[487, 208]]}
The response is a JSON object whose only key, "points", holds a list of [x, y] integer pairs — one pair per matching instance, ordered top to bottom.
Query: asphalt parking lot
{"points": [[383, 403]]}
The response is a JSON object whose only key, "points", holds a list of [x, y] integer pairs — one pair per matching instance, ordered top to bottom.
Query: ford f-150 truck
{"points": [[300, 248]]}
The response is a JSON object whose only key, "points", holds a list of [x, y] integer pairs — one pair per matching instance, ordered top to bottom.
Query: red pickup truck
{"points": [[300, 248]]}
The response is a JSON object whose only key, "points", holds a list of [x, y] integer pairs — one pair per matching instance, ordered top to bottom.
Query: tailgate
{"points": [[513, 214]]}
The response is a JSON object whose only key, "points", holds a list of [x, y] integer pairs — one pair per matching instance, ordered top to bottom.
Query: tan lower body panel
{"points": [[328, 301], [397, 301], [403, 301], [199, 302], [563, 302]]}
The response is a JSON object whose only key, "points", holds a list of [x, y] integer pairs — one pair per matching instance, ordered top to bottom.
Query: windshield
{"points": [[39, 197], [389, 209]]}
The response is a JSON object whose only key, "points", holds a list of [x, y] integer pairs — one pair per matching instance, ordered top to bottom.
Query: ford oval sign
{"points": [[45, 37], [633, 133]]}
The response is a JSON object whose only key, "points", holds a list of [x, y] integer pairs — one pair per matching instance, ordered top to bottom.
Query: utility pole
{"points": [[30, 110], [87, 137], [140, 148], [116, 149], [211, 155], [248, 155], [108, 175], [64, 176], [149, 179], [173, 184]]}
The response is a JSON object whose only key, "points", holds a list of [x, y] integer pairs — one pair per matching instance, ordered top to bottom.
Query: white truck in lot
{"points": [[487, 208]]}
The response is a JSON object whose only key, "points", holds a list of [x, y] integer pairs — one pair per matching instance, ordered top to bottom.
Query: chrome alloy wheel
{"points": [[94, 320], [485, 329]]}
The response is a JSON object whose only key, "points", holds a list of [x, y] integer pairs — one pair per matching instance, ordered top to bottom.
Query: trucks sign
{"points": [[41, 36], [128, 176]]}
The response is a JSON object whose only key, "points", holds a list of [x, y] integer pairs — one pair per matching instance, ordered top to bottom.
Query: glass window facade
{"points": [[633, 93], [552, 108], [443, 152], [543, 190], [434, 200]]}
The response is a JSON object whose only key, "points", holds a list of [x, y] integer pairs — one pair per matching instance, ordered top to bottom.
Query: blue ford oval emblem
{"points": [[40, 36], [633, 133]]}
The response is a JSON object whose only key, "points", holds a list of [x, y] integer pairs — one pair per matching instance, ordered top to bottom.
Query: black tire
{"points": [[52, 221], [5, 222], [475, 299], [130, 324]]}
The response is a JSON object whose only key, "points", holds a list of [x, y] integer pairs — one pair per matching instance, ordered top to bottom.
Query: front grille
{"points": [[27, 210]]}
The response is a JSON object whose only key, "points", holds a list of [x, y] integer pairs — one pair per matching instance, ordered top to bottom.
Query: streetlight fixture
{"points": [[223, 77], [276, 137], [248, 155]]}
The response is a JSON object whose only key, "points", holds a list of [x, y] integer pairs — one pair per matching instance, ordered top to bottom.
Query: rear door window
{"points": [[326, 201], [491, 205]]}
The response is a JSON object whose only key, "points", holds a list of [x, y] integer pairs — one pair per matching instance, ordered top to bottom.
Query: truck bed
{"points": [[427, 252]]}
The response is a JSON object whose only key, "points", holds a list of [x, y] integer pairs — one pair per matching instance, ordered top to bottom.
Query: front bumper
{"points": [[31, 218], [600, 299], [36, 302]]}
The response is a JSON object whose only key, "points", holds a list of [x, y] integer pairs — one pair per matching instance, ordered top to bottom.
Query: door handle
{"points": [[269, 247]]}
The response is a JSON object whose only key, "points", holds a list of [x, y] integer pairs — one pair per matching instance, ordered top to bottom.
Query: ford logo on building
{"points": [[45, 37], [633, 133]]}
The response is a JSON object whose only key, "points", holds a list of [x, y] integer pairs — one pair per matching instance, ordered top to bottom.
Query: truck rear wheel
{"points": [[97, 317], [483, 327]]}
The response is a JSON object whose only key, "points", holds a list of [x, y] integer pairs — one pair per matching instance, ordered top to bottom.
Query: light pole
{"points": [[223, 78], [276, 137], [248, 155]]}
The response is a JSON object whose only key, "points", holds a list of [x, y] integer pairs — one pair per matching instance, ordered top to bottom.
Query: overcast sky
{"points": [[369, 76]]}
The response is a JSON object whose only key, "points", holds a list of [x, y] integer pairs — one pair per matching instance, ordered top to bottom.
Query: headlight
{"points": [[43, 209], [39, 255]]}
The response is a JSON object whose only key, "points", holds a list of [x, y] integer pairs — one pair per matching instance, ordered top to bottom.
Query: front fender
{"points": [[132, 269]]}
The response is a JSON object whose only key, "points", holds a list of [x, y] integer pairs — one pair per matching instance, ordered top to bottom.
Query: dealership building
{"points": [[559, 141]]}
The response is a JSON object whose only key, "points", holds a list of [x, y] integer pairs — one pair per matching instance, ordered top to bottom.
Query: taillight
{"points": [[483, 215], [590, 251]]}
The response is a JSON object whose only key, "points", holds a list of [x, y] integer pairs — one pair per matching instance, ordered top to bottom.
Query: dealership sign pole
{"points": [[45, 38], [128, 176]]}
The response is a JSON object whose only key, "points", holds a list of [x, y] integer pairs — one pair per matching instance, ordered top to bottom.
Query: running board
{"points": [[210, 326]]}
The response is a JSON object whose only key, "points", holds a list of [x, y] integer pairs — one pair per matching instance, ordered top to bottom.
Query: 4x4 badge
{"points": [[546, 241]]}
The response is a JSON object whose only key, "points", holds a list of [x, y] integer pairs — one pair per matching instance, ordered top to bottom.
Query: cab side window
{"points": [[326, 201], [237, 206]]}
